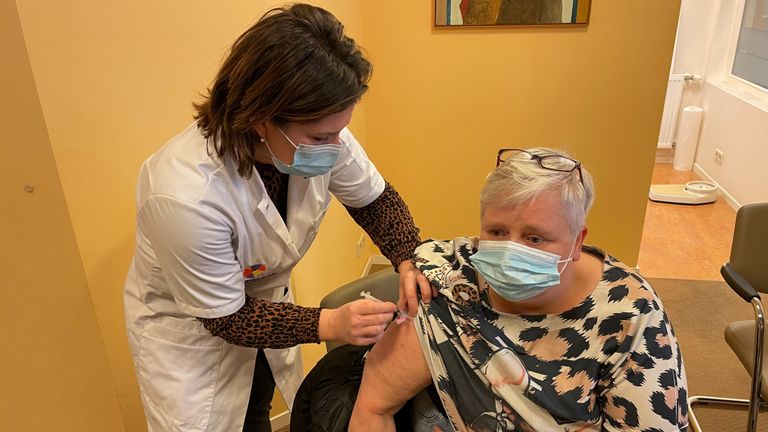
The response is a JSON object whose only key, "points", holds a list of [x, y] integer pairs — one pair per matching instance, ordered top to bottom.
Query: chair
{"points": [[746, 273], [383, 285]]}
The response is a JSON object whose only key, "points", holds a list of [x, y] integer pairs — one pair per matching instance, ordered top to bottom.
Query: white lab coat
{"points": [[199, 227]]}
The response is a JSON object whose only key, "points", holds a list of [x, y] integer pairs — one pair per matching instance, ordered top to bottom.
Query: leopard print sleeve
{"points": [[389, 224], [263, 324]]}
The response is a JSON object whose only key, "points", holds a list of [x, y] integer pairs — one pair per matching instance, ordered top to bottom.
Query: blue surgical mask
{"points": [[308, 160], [517, 272]]}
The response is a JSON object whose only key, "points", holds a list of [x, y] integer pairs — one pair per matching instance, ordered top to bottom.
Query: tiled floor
{"points": [[684, 241]]}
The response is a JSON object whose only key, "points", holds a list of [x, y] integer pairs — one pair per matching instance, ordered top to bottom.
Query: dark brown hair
{"points": [[294, 65]]}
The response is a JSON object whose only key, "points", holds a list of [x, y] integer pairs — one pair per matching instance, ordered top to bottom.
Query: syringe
{"points": [[399, 316]]}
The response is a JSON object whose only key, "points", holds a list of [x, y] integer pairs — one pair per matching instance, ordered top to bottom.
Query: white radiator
{"points": [[672, 108]]}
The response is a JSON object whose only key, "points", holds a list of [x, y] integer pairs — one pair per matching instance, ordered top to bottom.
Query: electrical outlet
{"points": [[719, 156], [359, 245]]}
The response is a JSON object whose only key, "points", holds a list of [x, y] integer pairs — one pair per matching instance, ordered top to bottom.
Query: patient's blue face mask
{"points": [[308, 160], [517, 272]]}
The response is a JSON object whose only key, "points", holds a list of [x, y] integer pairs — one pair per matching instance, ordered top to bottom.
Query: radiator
{"points": [[672, 108]]}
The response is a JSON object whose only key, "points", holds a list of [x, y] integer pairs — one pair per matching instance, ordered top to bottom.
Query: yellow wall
{"points": [[442, 101], [54, 370]]}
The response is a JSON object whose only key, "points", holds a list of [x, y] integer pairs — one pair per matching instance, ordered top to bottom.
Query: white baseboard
{"points": [[724, 193], [280, 421]]}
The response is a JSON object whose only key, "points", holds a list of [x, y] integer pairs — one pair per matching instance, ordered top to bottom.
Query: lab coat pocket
{"points": [[178, 370]]}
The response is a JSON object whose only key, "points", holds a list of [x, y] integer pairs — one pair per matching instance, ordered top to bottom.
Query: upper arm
{"points": [[194, 250], [395, 370], [649, 388]]}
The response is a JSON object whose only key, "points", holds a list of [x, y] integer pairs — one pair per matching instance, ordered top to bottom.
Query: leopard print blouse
{"points": [[264, 324], [610, 363]]}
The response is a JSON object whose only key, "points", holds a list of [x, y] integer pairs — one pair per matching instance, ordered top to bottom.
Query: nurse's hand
{"points": [[410, 278], [361, 322]]}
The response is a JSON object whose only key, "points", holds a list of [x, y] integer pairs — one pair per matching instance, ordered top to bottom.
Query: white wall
{"points": [[735, 120]]}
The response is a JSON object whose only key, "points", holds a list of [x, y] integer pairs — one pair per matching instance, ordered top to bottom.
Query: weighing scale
{"points": [[695, 192]]}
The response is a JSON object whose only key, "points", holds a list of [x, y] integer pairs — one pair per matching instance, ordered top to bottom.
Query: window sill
{"points": [[753, 96]]}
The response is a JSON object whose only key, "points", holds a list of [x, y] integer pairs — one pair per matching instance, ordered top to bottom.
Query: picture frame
{"points": [[462, 13]]}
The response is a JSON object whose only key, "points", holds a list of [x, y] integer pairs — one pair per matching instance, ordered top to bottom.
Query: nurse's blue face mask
{"points": [[308, 160], [517, 272]]}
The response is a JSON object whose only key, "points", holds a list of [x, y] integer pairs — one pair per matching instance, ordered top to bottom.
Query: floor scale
{"points": [[695, 192]]}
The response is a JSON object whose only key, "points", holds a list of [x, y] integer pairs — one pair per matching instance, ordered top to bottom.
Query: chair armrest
{"points": [[737, 283], [383, 285]]}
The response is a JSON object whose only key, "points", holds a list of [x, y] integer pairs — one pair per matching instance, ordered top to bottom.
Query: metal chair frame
{"points": [[739, 283], [755, 401]]}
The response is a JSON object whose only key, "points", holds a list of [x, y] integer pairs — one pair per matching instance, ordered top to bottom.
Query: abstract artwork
{"points": [[510, 12]]}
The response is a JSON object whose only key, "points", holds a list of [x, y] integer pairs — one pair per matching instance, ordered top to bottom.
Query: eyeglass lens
{"points": [[557, 163]]}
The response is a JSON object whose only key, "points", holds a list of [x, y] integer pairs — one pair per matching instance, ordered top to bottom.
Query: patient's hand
{"points": [[410, 278], [395, 371]]}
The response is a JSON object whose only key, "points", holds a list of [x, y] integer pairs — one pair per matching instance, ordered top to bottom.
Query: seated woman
{"points": [[533, 330]]}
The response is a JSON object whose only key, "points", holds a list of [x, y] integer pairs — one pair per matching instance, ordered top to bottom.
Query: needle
{"points": [[399, 316]]}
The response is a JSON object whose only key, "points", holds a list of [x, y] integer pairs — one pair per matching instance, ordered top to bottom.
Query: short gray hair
{"points": [[520, 179]]}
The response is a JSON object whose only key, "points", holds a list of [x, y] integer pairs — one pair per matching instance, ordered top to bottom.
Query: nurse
{"points": [[229, 206]]}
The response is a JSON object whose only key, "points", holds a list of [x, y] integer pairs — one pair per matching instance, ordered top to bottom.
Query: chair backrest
{"points": [[749, 253], [383, 285]]}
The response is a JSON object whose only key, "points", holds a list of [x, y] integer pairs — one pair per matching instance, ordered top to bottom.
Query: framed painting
{"points": [[450, 13]]}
